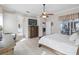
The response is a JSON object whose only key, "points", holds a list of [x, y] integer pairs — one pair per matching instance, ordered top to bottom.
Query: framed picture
{"points": [[32, 22]]}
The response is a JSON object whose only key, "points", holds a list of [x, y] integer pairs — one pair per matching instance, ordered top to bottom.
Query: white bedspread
{"points": [[60, 43]]}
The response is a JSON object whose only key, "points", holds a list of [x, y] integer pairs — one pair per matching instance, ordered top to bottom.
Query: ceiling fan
{"points": [[44, 13]]}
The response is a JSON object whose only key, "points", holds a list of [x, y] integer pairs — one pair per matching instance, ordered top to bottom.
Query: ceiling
{"points": [[36, 9]]}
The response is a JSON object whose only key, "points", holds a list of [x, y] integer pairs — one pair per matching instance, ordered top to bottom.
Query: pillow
{"points": [[73, 37]]}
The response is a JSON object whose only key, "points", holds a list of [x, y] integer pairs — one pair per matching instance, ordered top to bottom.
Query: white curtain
{"points": [[70, 17]]}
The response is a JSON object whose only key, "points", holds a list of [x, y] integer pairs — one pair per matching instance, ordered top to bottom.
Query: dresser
{"points": [[32, 28], [33, 31]]}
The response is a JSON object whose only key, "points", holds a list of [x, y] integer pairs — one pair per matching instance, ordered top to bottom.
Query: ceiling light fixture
{"points": [[44, 13]]}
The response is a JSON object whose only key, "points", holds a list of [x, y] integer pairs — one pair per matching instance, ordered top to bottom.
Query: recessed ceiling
{"points": [[36, 9]]}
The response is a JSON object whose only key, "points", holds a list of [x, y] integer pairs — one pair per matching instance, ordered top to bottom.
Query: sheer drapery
{"points": [[70, 17], [70, 23]]}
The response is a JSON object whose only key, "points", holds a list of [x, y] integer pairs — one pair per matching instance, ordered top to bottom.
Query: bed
{"points": [[59, 43]]}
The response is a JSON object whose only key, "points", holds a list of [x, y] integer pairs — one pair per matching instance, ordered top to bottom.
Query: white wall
{"points": [[20, 21], [10, 22], [56, 22], [40, 26], [25, 27], [48, 27]]}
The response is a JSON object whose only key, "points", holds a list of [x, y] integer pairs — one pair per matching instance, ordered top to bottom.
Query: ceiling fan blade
{"points": [[50, 14]]}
